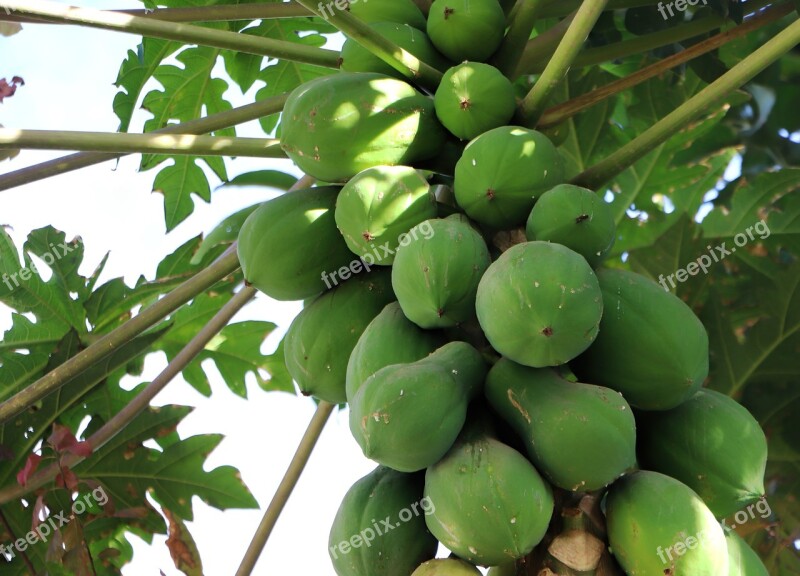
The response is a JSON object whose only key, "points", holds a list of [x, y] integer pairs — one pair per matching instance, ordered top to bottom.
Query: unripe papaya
{"points": [[402, 11], [466, 29], [473, 98], [338, 125], [502, 171], [378, 206], [576, 218], [293, 270], [436, 275], [539, 304], [321, 338], [390, 338], [651, 346], [407, 416], [580, 436], [712, 444], [491, 506], [658, 525], [362, 544], [742, 559], [446, 567], [509, 569]]}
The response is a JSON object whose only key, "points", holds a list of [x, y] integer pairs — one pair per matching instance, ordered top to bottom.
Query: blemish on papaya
{"points": [[517, 405]]}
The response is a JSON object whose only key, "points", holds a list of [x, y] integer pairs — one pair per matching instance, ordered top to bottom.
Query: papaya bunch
{"points": [[526, 403]]}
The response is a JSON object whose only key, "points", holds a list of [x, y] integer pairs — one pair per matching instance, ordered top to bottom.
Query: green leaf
{"points": [[269, 178], [177, 183], [225, 233]]}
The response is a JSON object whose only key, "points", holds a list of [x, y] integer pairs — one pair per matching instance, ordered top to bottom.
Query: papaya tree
{"points": [[547, 252]]}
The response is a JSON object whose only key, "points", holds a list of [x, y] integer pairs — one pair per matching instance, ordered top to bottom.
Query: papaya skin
{"points": [[397, 11], [466, 29], [742, 559], [446, 567]]}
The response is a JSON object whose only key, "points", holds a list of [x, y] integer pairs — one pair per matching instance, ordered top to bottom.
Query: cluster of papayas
{"points": [[492, 382]]}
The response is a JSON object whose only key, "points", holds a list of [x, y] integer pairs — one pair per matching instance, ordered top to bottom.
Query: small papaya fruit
{"points": [[402, 11], [466, 29], [473, 98], [335, 126], [502, 171], [376, 208], [576, 218], [293, 270], [435, 276], [539, 304], [322, 336], [390, 338], [651, 346], [407, 416], [712, 444], [490, 505], [657, 525], [361, 543], [742, 559], [446, 567], [509, 569]]}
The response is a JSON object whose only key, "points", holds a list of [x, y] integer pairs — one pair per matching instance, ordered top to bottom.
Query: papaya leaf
{"points": [[270, 178], [225, 233], [182, 546]]}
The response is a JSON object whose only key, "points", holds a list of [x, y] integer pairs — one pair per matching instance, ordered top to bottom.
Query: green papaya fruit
{"points": [[402, 11], [466, 29], [356, 58], [473, 98], [335, 126], [502, 171], [378, 206], [576, 218], [225, 233], [293, 270], [436, 275], [539, 304], [321, 338], [390, 338], [651, 346], [407, 416], [580, 436], [712, 444], [491, 506], [658, 525], [380, 526], [742, 559], [446, 567], [509, 569]]}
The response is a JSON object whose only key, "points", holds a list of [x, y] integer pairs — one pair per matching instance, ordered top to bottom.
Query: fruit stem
{"points": [[523, 18], [186, 33], [401, 60], [533, 104], [557, 114], [211, 123], [143, 143], [595, 176], [227, 263], [142, 400], [285, 488]]}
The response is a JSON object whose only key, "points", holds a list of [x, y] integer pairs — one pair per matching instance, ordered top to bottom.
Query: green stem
{"points": [[559, 8], [523, 18], [186, 33], [540, 49], [401, 60], [533, 104], [211, 123], [140, 143], [597, 175], [61, 375], [285, 488]]}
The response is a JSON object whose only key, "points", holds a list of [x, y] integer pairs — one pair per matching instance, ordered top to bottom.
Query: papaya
{"points": [[399, 11], [466, 29], [356, 58], [473, 98], [335, 126], [501, 172], [378, 206], [576, 218], [298, 269], [436, 274], [539, 304], [322, 336], [390, 338], [651, 346], [407, 416], [580, 436], [712, 444], [491, 506], [657, 525], [380, 526], [742, 559], [446, 567], [509, 569]]}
